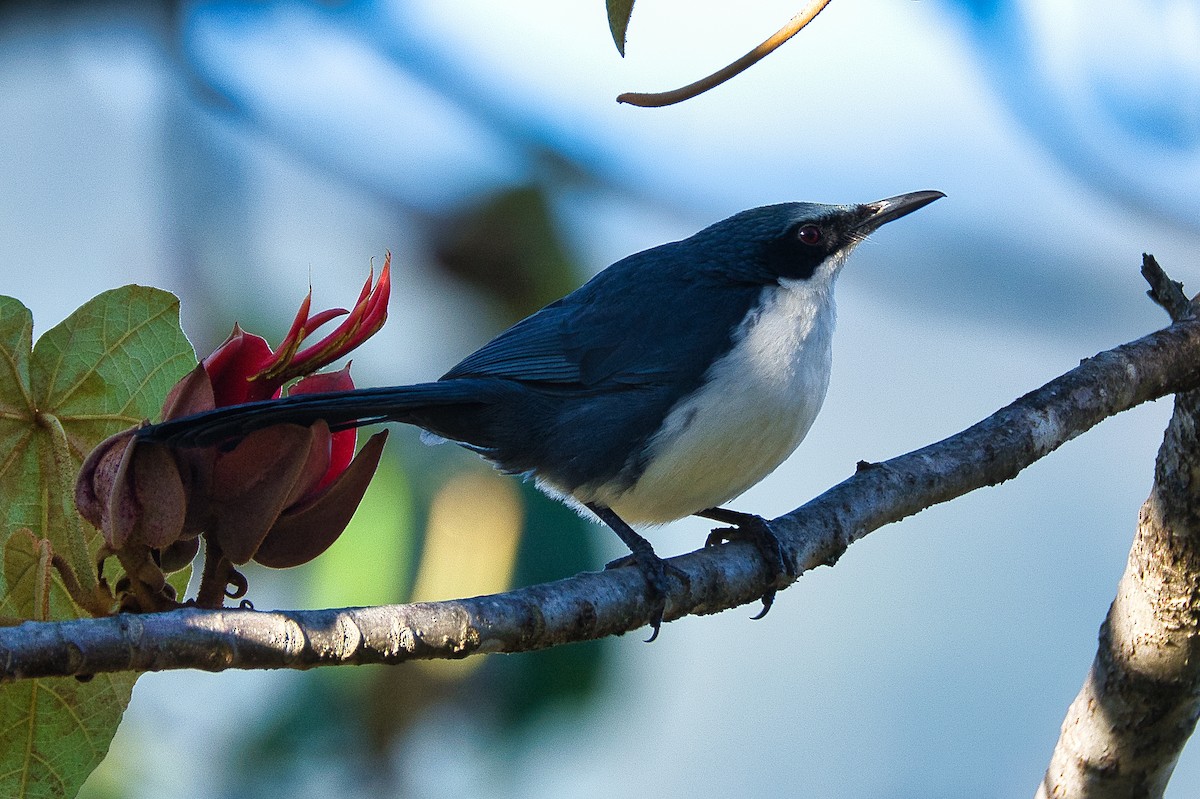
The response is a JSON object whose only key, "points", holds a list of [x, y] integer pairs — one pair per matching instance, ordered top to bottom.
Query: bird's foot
{"points": [[757, 531], [653, 568], [654, 571]]}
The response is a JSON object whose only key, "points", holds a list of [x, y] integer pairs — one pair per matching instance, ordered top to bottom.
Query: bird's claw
{"points": [[757, 531], [654, 571], [768, 599]]}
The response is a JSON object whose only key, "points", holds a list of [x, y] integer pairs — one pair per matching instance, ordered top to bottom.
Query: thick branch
{"points": [[598, 604], [1139, 704]]}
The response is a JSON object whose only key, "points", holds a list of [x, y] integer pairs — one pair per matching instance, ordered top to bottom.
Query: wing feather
{"points": [[644, 321]]}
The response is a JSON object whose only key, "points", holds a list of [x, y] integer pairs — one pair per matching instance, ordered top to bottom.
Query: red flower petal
{"points": [[318, 319], [364, 320], [232, 366], [279, 369], [324, 382], [192, 394], [344, 441], [317, 471], [251, 485], [306, 531]]}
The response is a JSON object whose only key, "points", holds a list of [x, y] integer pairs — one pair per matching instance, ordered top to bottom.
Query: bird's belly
{"points": [[753, 410], [709, 463]]}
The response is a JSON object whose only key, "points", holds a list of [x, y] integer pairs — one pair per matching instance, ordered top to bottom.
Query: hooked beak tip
{"points": [[883, 211]]}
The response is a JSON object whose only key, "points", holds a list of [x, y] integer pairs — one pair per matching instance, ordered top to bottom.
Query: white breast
{"points": [[754, 408]]}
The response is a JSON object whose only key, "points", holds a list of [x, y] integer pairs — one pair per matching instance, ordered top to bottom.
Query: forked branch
{"points": [[1140, 701]]}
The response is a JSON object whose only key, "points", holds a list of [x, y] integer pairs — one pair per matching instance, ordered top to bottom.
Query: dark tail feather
{"points": [[339, 409]]}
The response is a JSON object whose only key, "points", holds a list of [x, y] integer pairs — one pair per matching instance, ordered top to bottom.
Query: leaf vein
{"points": [[113, 347]]}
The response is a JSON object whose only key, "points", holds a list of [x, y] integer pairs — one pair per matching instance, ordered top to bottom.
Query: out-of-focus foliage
{"points": [[507, 245], [382, 534], [353, 727]]}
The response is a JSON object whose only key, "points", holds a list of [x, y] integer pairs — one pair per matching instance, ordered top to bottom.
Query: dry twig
{"points": [[659, 99]]}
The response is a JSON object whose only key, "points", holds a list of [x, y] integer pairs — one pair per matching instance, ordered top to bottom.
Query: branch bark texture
{"points": [[598, 604], [1140, 702]]}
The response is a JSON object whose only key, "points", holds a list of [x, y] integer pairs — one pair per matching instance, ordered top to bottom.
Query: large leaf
{"points": [[105, 368], [52, 732], [55, 732]]}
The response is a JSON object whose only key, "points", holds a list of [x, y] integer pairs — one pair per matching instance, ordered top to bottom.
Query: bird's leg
{"points": [[757, 531], [653, 568]]}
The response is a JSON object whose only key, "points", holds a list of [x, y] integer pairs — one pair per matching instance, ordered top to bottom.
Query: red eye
{"points": [[810, 235]]}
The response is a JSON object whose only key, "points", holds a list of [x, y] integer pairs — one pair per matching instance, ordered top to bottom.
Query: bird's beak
{"points": [[883, 211]]}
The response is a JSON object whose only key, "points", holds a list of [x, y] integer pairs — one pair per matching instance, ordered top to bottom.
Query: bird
{"points": [[664, 387]]}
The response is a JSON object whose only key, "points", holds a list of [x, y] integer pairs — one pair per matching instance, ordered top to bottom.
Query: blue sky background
{"points": [[234, 152]]}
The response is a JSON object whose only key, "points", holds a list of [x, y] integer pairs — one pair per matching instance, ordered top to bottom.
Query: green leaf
{"points": [[619, 12], [110, 364], [106, 367], [103, 369], [29, 577], [56, 732]]}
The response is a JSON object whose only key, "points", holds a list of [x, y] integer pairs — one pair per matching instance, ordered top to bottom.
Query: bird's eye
{"points": [[810, 235]]}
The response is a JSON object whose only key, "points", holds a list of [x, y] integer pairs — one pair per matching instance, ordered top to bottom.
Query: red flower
{"points": [[245, 369], [280, 496]]}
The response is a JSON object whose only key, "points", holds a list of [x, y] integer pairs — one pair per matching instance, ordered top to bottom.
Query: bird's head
{"points": [[805, 241]]}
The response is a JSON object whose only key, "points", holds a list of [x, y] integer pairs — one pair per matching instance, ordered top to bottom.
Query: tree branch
{"points": [[1166, 292], [593, 605], [1139, 704]]}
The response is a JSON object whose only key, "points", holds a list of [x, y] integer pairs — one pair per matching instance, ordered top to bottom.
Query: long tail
{"points": [[339, 409]]}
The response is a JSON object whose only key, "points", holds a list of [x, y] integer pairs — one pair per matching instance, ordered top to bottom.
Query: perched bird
{"points": [[664, 387]]}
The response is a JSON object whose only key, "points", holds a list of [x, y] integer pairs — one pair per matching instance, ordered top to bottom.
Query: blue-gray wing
{"points": [[645, 321], [536, 349]]}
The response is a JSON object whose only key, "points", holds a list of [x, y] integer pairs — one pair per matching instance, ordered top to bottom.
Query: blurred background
{"points": [[237, 152]]}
